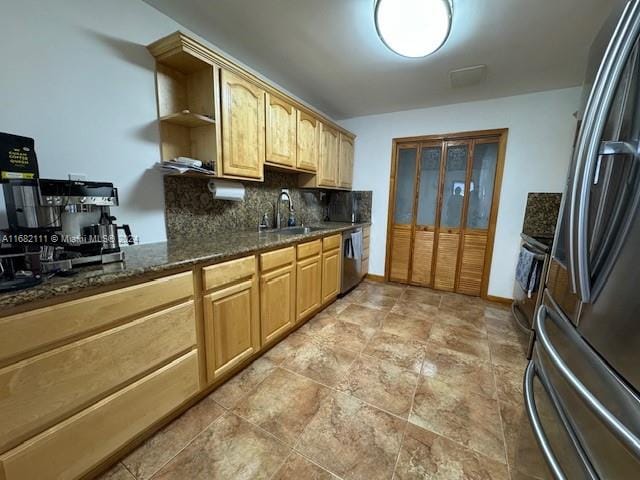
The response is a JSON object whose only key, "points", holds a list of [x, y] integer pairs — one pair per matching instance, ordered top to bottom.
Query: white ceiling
{"points": [[327, 52]]}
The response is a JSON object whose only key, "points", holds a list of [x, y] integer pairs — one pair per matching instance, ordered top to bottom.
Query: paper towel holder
{"points": [[226, 190]]}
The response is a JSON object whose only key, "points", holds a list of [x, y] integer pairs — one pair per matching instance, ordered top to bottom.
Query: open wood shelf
{"points": [[188, 119]]}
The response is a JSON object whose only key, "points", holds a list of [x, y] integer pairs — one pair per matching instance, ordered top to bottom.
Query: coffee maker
{"points": [[70, 220]]}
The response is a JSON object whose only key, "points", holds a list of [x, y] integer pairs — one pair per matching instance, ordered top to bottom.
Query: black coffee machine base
{"points": [[19, 284]]}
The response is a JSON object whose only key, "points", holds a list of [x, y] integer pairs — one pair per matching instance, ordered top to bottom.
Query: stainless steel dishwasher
{"points": [[351, 259]]}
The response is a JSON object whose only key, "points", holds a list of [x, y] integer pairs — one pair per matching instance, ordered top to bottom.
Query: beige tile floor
{"points": [[388, 382]]}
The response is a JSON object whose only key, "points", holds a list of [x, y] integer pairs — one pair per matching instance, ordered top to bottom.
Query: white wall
{"points": [[77, 77], [541, 129]]}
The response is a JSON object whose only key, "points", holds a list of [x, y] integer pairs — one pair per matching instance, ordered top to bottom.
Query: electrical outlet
{"points": [[78, 176], [284, 190]]}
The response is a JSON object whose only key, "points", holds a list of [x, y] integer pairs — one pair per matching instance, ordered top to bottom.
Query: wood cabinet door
{"points": [[243, 127], [281, 131], [308, 142], [328, 159], [345, 163], [330, 275], [309, 295], [277, 302], [232, 326]]}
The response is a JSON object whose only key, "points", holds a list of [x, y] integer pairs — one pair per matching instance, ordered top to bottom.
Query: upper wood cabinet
{"points": [[188, 109], [213, 110], [281, 118], [243, 127], [308, 142], [328, 160], [335, 160], [345, 162], [277, 293], [231, 314]]}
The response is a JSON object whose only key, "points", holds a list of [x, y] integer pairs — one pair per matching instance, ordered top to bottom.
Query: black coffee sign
{"points": [[17, 157]]}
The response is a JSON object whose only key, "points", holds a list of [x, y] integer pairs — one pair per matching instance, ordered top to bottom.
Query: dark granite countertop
{"points": [[164, 256]]}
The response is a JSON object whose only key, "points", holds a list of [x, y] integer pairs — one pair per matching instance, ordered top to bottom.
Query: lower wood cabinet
{"points": [[366, 241], [331, 271], [309, 279], [277, 293], [231, 314], [24, 334], [46, 388], [66, 409], [72, 448]]}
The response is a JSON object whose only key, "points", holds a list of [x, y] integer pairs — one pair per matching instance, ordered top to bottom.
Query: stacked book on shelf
{"points": [[183, 165]]}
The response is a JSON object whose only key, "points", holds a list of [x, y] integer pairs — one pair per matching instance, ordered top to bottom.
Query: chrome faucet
{"points": [[279, 216]]}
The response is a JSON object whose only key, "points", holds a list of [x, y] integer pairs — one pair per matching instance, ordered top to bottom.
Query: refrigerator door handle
{"points": [[588, 148], [613, 148], [618, 148], [536, 424], [615, 426]]}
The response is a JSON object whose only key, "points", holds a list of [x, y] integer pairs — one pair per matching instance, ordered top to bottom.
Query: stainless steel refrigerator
{"points": [[583, 382]]}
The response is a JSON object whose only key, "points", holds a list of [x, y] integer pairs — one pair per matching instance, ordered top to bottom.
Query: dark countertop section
{"points": [[541, 214], [160, 257]]}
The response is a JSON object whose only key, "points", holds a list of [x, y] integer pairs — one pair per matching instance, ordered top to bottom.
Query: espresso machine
{"points": [[68, 220]]}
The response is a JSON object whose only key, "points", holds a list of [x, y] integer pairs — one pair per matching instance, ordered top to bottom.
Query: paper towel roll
{"points": [[226, 190]]}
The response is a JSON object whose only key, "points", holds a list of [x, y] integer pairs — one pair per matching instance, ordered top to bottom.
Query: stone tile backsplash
{"points": [[191, 210]]}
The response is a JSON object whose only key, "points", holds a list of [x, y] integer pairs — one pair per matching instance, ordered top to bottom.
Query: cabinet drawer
{"points": [[366, 233], [332, 242], [309, 249], [365, 251], [277, 258], [224, 273], [33, 331], [42, 390], [73, 447]]}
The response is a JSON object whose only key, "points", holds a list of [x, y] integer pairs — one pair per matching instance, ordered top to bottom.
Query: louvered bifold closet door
{"points": [[403, 179], [443, 203], [452, 208], [426, 214], [477, 215]]}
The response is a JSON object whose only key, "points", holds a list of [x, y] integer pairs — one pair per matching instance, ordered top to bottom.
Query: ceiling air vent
{"points": [[467, 76]]}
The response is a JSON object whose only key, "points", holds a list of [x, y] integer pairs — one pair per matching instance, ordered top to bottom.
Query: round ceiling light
{"points": [[413, 28]]}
